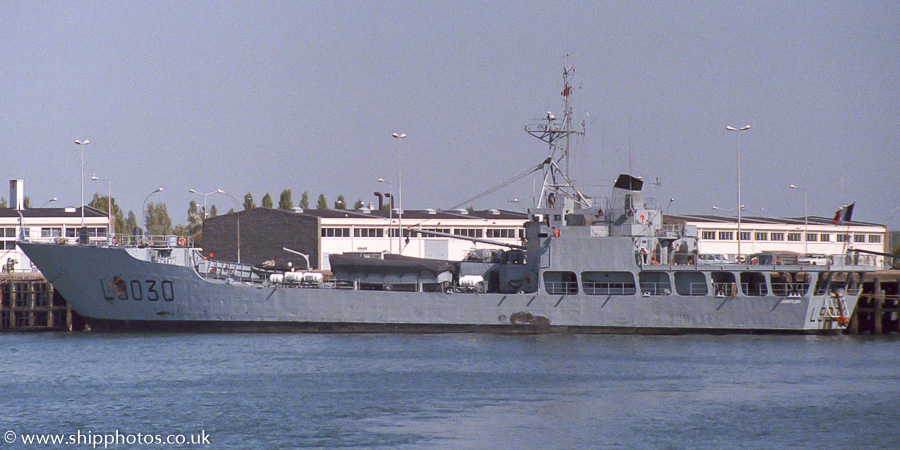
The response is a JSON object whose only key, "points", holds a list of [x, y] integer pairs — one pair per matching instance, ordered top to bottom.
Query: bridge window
{"points": [[560, 283], [608, 283], [655, 283], [691, 283], [724, 284], [754, 284], [790, 284]]}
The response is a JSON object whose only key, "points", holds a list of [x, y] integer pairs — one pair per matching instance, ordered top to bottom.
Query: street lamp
{"points": [[398, 137], [81, 145], [159, 189], [204, 194], [49, 201], [739, 207], [391, 214], [237, 216], [805, 218], [112, 223]]}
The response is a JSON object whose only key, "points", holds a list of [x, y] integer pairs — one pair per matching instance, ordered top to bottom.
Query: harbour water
{"points": [[455, 390]]}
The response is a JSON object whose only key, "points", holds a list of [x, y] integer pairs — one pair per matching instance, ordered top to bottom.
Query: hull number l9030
{"points": [[150, 290]]}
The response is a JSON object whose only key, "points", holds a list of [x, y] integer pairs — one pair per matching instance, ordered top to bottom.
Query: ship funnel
{"points": [[629, 183], [627, 193]]}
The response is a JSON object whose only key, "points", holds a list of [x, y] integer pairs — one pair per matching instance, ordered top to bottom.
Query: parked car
{"points": [[711, 258], [776, 258], [814, 259]]}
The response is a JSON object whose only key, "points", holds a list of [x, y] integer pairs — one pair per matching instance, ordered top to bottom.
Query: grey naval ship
{"points": [[585, 266]]}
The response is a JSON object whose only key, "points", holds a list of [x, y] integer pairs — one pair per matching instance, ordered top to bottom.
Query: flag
{"points": [[844, 213]]}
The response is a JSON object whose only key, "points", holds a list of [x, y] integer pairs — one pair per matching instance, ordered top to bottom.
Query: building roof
{"points": [[52, 213], [490, 214], [753, 220]]}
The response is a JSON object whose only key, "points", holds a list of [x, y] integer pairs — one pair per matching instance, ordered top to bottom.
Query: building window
{"points": [[436, 230], [51, 232], [71, 232], [335, 232], [368, 232], [470, 232], [503, 233], [709, 235], [726, 235], [744, 236], [762, 236], [777, 236], [794, 237], [811, 237], [825, 237], [843, 238], [859, 238], [874, 238]]}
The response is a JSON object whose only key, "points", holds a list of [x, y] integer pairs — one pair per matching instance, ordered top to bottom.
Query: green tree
{"points": [[304, 200], [267, 201], [27, 202], [248, 202], [285, 202], [102, 203], [322, 203], [340, 203], [3, 204], [359, 204], [230, 211], [213, 212], [195, 219], [157, 221], [130, 224], [181, 230]]}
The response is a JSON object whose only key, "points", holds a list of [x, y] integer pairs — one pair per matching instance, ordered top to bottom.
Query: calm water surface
{"points": [[457, 390]]}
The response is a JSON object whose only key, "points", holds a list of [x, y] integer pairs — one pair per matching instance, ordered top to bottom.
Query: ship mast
{"points": [[557, 133]]}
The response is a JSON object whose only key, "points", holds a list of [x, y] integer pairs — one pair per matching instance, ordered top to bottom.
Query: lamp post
{"points": [[398, 137], [81, 145], [159, 189], [204, 194], [49, 201], [739, 207], [390, 214], [237, 216], [805, 218], [112, 223], [736, 257]]}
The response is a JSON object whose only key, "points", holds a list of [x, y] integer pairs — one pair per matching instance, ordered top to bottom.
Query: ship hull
{"points": [[114, 291]]}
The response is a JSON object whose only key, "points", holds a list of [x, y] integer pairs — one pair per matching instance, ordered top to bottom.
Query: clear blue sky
{"points": [[262, 96]]}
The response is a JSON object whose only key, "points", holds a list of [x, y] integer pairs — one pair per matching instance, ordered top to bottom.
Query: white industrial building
{"points": [[43, 225], [379, 232], [812, 235]]}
